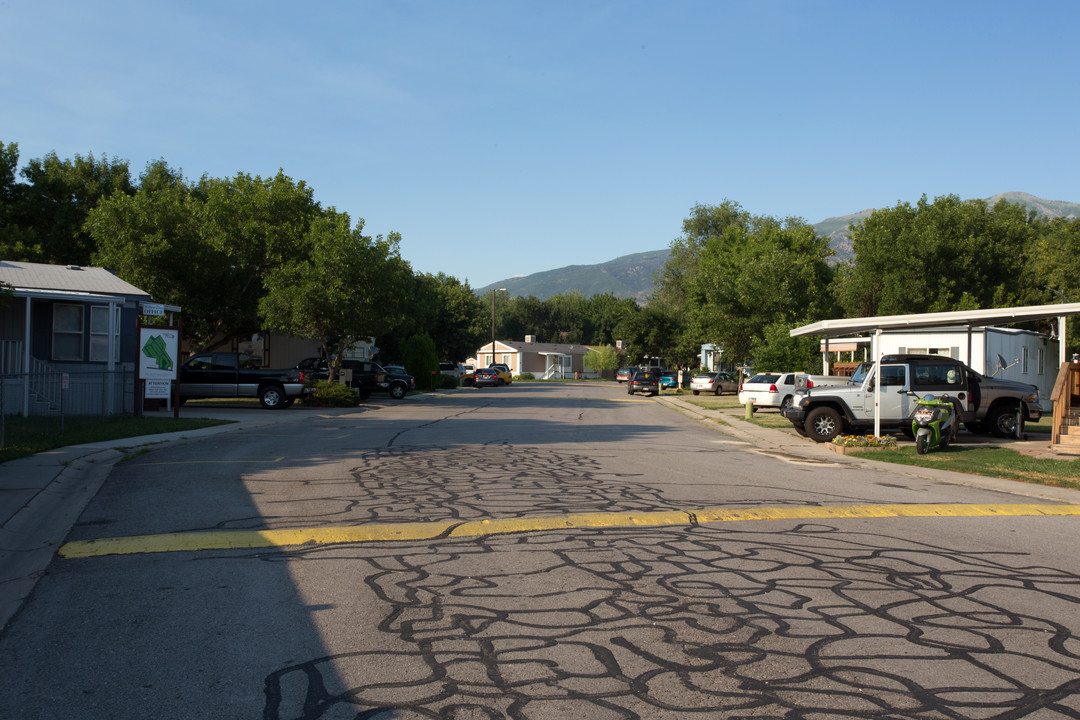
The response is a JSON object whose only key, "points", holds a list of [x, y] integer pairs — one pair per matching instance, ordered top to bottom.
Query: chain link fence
{"points": [[49, 403]]}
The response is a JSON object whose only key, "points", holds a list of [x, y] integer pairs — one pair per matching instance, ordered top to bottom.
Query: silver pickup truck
{"points": [[983, 404]]}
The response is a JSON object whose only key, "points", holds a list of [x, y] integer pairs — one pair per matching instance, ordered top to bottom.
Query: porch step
{"points": [[1068, 442]]}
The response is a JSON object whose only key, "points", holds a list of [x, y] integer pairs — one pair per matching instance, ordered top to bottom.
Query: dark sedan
{"points": [[486, 377], [646, 381]]}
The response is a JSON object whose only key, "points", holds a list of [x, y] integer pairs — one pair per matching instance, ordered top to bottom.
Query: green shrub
{"points": [[525, 376], [446, 381], [328, 394]]}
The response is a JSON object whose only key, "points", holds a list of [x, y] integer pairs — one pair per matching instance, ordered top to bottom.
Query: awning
{"points": [[964, 318]]}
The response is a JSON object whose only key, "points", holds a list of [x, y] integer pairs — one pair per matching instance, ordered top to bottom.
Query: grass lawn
{"points": [[25, 436], [997, 461]]}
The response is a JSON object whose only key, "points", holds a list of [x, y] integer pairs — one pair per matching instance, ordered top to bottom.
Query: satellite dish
{"points": [[1002, 364]]}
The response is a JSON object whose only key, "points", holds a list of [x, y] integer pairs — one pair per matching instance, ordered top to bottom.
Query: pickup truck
{"points": [[232, 375], [365, 376], [983, 404]]}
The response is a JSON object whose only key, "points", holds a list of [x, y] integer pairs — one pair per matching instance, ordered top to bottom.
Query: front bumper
{"points": [[794, 413]]}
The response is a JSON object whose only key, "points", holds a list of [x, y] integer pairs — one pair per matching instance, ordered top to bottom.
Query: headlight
{"points": [[925, 415]]}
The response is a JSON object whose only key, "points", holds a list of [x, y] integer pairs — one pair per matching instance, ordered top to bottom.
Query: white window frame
{"points": [[67, 333], [96, 353], [1024, 360]]}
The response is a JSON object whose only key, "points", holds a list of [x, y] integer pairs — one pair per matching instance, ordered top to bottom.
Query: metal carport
{"points": [[958, 318]]}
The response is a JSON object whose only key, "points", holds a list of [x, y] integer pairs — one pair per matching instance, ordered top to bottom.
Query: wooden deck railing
{"points": [[1066, 397]]}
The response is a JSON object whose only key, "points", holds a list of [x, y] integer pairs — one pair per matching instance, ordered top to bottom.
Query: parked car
{"points": [[451, 369], [624, 374], [232, 375], [468, 375], [487, 377], [505, 378], [669, 379], [645, 380], [716, 383], [768, 390]]}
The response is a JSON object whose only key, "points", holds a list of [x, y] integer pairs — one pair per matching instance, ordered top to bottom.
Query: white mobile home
{"points": [[1021, 355]]}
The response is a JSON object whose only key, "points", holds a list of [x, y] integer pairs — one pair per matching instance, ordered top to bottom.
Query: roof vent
{"points": [[74, 267]]}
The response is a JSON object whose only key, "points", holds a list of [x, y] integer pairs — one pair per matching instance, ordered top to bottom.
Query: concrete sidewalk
{"points": [[42, 496]]}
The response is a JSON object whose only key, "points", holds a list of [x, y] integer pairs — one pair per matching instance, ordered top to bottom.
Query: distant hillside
{"points": [[632, 275], [628, 276]]}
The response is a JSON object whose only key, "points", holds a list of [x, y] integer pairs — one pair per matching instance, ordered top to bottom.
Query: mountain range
{"points": [[632, 275]]}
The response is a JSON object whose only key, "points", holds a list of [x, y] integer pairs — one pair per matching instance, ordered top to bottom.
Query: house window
{"points": [[99, 334], [67, 335], [505, 360], [1024, 361], [1042, 361]]}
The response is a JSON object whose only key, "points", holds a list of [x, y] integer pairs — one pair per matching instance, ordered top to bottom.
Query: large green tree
{"points": [[56, 199], [207, 247], [949, 254], [1055, 268], [755, 274], [346, 287]]}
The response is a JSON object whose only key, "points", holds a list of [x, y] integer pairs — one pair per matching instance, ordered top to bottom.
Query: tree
{"points": [[57, 199], [259, 225], [154, 239], [16, 241], [207, 247], [945, 255], [1056, 264], [772, 271], [345, 288], [446, 310], [776, 349], [602, 359], [421, 360]]}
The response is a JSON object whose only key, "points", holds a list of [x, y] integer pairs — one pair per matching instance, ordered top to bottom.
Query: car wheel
{"points": [[500, 382], [629, 390], [717, 391], [398, 392], [697, 392], [272, 397], [785, 403], [1002, 421], [822, 424], [800, 430]]}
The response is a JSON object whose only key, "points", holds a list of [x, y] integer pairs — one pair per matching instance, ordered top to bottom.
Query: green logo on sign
{"points": [[155, 348]]}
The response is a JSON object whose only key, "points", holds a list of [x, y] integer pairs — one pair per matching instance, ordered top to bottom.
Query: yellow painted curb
{"points": [[398, 532]]}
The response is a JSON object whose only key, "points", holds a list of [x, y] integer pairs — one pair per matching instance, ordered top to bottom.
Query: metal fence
{"points": [[51, 401]]}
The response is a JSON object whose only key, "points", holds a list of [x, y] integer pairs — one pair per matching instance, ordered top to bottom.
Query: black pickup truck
{"points": [[231, 375], [365, 376]]}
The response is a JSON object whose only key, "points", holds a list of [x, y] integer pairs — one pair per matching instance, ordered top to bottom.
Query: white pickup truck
{"points": [[983, 404]]}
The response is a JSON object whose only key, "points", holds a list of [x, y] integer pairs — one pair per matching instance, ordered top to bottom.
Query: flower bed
{"points": [[844, 444]]}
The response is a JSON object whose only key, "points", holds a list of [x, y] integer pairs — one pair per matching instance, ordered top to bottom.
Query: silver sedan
{"points": [[715, 382]]}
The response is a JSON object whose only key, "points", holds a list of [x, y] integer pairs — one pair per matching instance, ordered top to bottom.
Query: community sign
{"points": [[158, 351]]}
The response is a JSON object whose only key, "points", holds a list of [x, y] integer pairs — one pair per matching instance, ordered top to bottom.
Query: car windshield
{"points": [[705, 376], [764, 379]]}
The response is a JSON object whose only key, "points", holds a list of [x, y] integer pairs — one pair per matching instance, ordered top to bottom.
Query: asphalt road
{"points": [[543, 551]]}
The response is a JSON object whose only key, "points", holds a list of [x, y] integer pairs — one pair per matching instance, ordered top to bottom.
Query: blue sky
{"points": [[504, 138]]}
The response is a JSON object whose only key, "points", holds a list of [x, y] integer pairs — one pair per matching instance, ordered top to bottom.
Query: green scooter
{"points": [[933, 422]]}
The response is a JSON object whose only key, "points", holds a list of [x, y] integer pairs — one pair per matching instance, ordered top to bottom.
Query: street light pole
{"points": [[493, 324]]}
